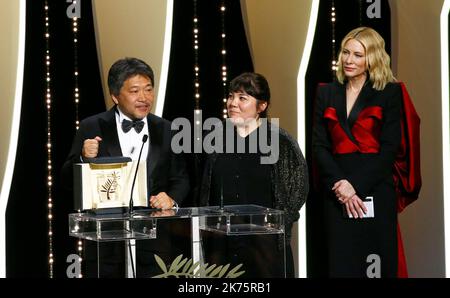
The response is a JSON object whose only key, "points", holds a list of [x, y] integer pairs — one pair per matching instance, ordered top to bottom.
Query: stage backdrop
{"points": [[139, 29]]}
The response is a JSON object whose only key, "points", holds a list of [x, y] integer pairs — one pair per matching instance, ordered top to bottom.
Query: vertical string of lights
{"points": [[224, 56], [196, 65], [334, 66], [76, 93], [76, 97], [48, 101], [197, 110]]}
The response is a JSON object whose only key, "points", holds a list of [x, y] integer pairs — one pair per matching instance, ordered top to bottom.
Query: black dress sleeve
{"points": [[295, 176]]}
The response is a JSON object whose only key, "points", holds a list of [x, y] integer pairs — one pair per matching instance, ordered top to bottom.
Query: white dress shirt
{"points": [[131, 142]]}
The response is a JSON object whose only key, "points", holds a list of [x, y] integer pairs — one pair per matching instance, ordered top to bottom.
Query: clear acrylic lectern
{"points": [[233, 241]]}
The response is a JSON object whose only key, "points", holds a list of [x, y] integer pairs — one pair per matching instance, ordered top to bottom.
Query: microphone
{"points": [[221, 194], [130, 208]]}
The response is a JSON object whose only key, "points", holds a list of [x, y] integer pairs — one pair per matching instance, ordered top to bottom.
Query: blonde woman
{"points": [[356, 135]]}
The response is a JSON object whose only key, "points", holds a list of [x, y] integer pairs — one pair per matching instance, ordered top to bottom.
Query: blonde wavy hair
{"points": [[377, 60]]}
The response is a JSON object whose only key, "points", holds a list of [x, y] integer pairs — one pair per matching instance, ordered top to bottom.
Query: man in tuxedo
{"points": [[119, 132]]}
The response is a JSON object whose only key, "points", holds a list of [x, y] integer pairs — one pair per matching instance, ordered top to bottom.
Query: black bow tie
{"points": [[127, 125]]}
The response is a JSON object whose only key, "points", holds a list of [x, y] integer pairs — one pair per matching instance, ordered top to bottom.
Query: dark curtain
{"points": [[350, 14], [179, 100], [27, 244]]}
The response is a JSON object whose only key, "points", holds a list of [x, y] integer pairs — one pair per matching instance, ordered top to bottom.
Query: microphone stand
{"points": [[221, 194], [130, 207]]}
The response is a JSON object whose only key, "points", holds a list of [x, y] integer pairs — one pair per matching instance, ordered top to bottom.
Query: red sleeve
{"points": [[407, 175]]}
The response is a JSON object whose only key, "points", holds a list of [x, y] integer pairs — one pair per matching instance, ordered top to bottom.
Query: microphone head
{"points": [[144, 138]]}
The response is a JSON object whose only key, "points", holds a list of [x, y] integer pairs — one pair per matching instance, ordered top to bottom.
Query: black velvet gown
{"points": [[361, 149]]}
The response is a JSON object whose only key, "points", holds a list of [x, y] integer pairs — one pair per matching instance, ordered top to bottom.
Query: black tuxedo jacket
{"points": [[166, 171]]}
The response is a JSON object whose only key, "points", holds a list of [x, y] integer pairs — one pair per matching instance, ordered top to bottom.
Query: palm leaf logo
{"points": [[110, 185], [186, 268]]}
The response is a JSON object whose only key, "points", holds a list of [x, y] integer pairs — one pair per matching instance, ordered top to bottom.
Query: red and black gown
{"points": [[362, 149]]}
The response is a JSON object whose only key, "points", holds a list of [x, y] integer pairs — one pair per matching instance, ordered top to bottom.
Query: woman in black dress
{"points": [[356, 134], [234, 178]]}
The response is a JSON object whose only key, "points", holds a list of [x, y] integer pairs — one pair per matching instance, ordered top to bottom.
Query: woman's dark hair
{"points": [[124, 69], [253, 84]]}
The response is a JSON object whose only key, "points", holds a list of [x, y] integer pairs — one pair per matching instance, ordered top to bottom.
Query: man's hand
{"points": [[90, 147], [161, 201]]}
